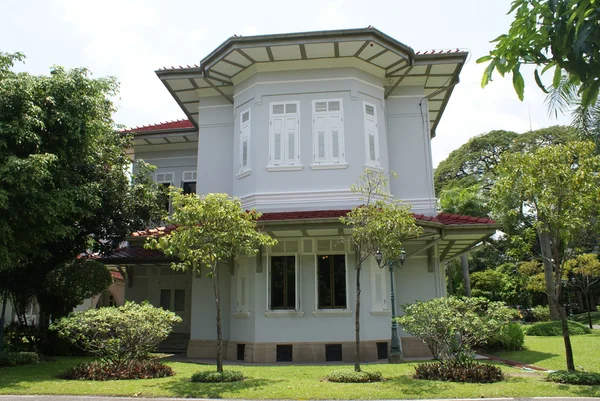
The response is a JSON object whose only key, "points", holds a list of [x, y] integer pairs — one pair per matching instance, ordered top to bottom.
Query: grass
{"points": [[549, 352], [279, 382]]}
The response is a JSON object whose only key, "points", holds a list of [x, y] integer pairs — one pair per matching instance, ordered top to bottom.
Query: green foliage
{"points": [[560, 35], [378, 224], [211, 230], [78, 280], [541, 313], [451, 327], [554, 328], [118, 335], [511, 337], [18, 358], [104, 370], [473, 373], [350, 376], [217, 377], [577, 378]]}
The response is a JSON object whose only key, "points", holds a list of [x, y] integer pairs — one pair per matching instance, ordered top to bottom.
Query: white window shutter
{"points": [[277, 127], [371, 134], [321, 138], [336, 138], [291, 140], [378, 290]]}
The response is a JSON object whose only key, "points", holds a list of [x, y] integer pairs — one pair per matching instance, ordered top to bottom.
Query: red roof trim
{"points": [[164, 126], [442, 218]]}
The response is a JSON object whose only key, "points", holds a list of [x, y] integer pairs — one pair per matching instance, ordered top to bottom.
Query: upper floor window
{"points": [[328, 131], [371, 134], [284, 141], [244, 158], [165, 180], [188, 182]]}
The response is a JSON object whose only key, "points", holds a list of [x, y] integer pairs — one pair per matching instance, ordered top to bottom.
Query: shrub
{"points": [[541, 313], [451, 327], [555, 329], [118, 335], [512, 336], [18, 358], [103, 370], [472, 373], [350, 376], [217, 377], [566, 377]]}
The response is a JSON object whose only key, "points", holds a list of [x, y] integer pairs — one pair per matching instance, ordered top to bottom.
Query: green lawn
{"points": [[549, 352], [279, 382]]}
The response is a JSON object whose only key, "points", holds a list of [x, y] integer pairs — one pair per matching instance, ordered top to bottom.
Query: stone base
{"points": [[304, 352]]}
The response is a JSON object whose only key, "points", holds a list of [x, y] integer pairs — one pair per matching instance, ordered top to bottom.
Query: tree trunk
{"points": [[544, 237], [464, 265], [589, 309], [2, 316], [357, 318], [219, 329], [565, 332]]}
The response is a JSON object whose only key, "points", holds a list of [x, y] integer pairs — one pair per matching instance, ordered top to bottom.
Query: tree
{"points": [[563, 35], [64, 182], [555, 188], [377, 226], [211, 230], [584, 271]]}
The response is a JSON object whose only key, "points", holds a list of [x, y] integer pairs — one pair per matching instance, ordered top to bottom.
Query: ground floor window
{"points": [[331, 281], [282, 287]]}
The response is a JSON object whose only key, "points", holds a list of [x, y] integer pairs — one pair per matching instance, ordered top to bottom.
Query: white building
{"points": [[287, 123]]}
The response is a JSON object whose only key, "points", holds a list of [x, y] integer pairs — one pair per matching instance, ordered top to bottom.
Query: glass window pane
{"points": [[189, 188], [339, 281], [277, 282], [324, 282], [165, 299], [179, 301]]}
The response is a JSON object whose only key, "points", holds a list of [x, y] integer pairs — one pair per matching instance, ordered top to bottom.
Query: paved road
{"points": [[84, 398]]}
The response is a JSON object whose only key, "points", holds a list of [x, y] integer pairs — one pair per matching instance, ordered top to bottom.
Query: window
{"points": [[245, 121], [328, 131], [371, 134], [284, 141], [165, 180], [188, 183], [331, 281], [282, 286]]}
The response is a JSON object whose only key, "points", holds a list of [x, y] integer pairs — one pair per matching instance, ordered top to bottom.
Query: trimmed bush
{"points": [[541, 313], [555, 329], [118, 335], [510, 337], [18, 358], [103, 370], [472, 373], [350, 376], [217, 377], [566, 377]]}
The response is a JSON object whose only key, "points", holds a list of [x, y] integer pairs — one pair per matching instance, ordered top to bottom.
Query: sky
{"points": [[130, 39]]}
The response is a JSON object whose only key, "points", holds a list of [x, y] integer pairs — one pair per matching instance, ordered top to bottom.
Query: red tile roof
{"points": [[166, 126], [441, 218], [132, 253]]}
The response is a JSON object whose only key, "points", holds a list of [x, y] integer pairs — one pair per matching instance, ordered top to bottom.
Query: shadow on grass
{"points": [[526, 356], [16, 377], [184, 388], [414, 388], [581, 391]]}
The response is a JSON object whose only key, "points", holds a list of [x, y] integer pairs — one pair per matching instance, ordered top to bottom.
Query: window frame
{"points": [[329, 159], [369, 161], [286, 163], [241, 167], [162, 182], [330, 253], [296, 283]]}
